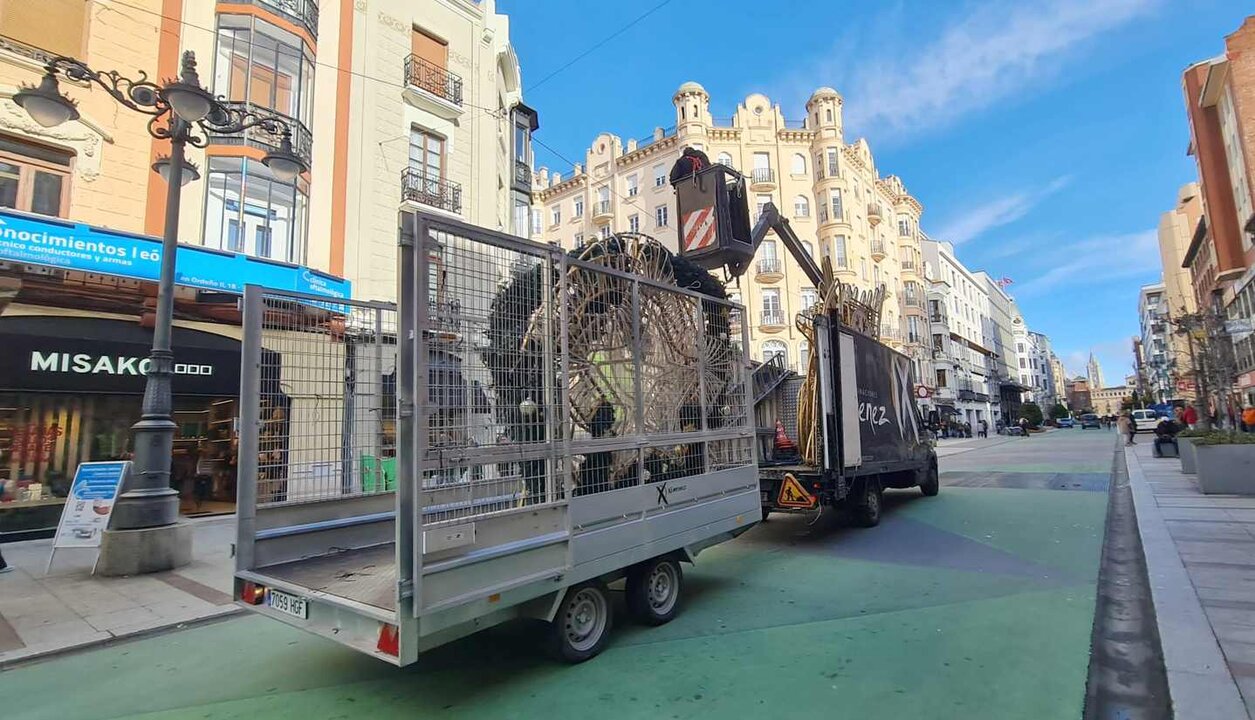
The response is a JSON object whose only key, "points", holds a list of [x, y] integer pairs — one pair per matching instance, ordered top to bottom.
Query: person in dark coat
{"points": [[691, 161]]}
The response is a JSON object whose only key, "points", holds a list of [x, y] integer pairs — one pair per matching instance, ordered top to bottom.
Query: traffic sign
{"points": [[793, 495]]}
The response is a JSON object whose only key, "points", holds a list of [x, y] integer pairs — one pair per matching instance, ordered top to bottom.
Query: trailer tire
{"points": [[932, 484], [867, 509], [653, 590], [581, 628]]}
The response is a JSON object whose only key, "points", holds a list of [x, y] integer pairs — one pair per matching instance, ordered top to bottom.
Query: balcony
{"points": [[302, 12], [428, 81], [258, 137], [522, 176], [763, 179], [430, 191], [603, 213], [874, 214], [878, 250], [908, 265], [769, 270], [913, 301], [772, 321], [889, 333]]}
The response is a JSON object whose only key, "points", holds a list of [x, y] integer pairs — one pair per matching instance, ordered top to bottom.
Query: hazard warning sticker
{"points": [[698, 229], [793, 495]]}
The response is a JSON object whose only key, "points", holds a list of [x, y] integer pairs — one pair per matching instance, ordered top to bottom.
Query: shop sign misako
{"points": [[74, 246], [71, 364]]}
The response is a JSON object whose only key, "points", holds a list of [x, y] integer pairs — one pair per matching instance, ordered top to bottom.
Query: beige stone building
{"points": [[830, 190], [1176, 229], [1110, 400]]}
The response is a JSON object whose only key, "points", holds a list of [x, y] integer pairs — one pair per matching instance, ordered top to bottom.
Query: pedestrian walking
{"points": [[1024, 426], [1126, 427], [984, 428], [4, 566]]}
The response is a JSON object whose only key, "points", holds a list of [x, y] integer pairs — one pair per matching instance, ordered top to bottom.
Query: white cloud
{"points": [[899, 86], [997, 212], [1092, 262]]}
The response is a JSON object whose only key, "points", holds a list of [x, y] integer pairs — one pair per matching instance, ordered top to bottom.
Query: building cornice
{"points": [[653, 148]]}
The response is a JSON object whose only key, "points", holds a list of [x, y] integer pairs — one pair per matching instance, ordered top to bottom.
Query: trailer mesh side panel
{"points": [[327, 422]]}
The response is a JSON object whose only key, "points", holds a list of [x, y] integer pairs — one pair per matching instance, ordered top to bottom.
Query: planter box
{"points": [[1187, 455], [1225, 469]]}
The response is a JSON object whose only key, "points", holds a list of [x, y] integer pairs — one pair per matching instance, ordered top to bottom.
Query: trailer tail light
{"points": [[252, 593], [389, 640]]}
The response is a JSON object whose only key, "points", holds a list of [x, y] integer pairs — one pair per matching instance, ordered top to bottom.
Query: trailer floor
{"points": [[368, 575], [978, 603]]}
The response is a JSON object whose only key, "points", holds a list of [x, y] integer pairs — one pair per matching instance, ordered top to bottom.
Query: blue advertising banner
{"points": [[74, 246], [90, 504]]}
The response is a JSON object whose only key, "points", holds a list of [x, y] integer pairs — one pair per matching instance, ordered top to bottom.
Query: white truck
{"points": [[525, 427]]}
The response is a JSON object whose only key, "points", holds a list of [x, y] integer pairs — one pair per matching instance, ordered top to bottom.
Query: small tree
{"points": [[1058, 411], [1031, 412]]}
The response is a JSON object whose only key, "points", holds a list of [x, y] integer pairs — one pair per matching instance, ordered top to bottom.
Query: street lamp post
{"points": [[178, 109]]}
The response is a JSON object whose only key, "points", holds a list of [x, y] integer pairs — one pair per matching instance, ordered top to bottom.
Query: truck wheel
{"points": [[932, 484], [867, 510], [653, 591], [582, 626]]}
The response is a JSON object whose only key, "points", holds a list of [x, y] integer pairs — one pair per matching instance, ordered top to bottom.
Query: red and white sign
{"points": [[698, 229], [923, 392]]}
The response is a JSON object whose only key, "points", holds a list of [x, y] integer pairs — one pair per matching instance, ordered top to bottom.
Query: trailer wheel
{"points": [[932, 484], [867, 509], [653, 591], [582, 626]]}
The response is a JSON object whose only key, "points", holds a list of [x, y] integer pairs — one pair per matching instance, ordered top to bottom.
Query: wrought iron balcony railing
{"points": [[302, 12], [438, 81], [258, 137], [522, 174], [763, 175], [418, 187], [769, 265], [773, 318]]}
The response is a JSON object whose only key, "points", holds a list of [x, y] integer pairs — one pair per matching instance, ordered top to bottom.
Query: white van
{"points": [[1145, 420]]}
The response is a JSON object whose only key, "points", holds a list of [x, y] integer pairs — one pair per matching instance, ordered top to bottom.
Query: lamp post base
{"points": [[148, 550]]}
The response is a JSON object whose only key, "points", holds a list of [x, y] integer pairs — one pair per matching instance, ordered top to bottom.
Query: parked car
{"points": [[1090, 420], [1145, 420], [1065, 422]]}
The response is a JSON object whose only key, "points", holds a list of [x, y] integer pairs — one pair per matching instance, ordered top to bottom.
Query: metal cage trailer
{"points": [[522, 429]]}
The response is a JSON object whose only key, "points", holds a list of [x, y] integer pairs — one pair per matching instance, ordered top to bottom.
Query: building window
{"points": [[261, 64], [828, 114], [427, 153], [725, 160], [819, 163], [799, 164], [833, 168], [660, 175], [34, 178], [633, 186], [835, 196], [762, 203], [801, 207], [579, 208], [248, 210], [555, 215], [660, 216], [536, 219], [634, 223], [904, 226], [603, 232], [579, 239], [838, 244], [809, 248], [769, 250], [862, 262], [810, 296], [771, 302], [775, 348], [803, 356], [1023, 364], [941, 378]]}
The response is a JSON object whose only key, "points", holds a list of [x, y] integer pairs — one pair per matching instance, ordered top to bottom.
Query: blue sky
{"points": [[1044, 139]]}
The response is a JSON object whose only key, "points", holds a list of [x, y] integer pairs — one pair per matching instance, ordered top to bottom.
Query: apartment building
{"points": [[390, 104], [1220, 106], [831, 191], [1176, 229], [1004, 319], [960, 322], [1160, 365], [1110, 400]]}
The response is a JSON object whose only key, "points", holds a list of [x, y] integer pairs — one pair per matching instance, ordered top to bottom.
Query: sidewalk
{"points": [[1200, 559], [71, 608]]}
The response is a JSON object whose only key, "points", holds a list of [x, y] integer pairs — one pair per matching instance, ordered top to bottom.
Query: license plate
{"points": [[288, 604]]}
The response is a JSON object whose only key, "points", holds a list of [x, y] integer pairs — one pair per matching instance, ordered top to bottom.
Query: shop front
{"points": [[76, 312], [70, 389]]}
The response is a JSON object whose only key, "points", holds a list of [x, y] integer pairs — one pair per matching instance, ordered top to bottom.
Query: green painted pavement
{"points": [[777, 622]]}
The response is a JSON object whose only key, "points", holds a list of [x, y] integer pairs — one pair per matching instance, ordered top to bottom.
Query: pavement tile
{"points": [[1216, 515], [1189, 529], [1233, 553], [1208, 594], [1230, 616], [112, 620], [67, 633], [1204, 697]]}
